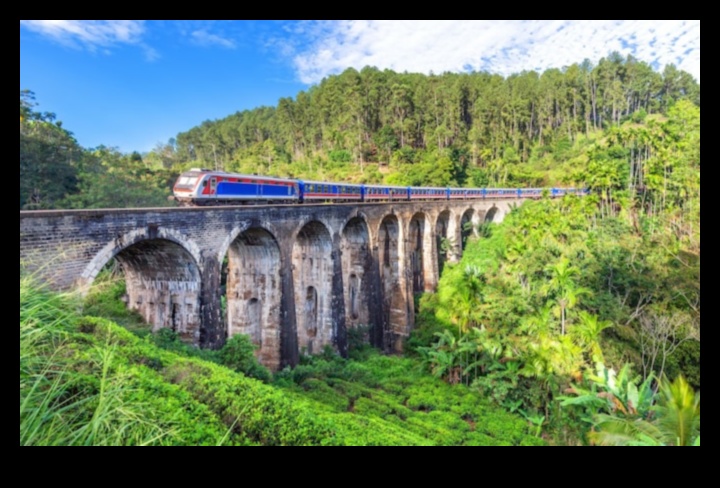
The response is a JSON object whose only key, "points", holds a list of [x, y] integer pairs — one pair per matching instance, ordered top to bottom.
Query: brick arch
{"points": [[359, 214], [491, 214], [398, 218], [312, 220], [467, 223], [444, 229], [236, 231], [131, 238], [421, 251], [391, 254], [357, 263], [312, 272], [162, 277], [254, 291]]}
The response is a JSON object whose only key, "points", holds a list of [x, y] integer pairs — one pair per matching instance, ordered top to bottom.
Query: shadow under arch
{"points": [[490, 214], [467, 224], [444, 240], [417, 244], [357, 264], [312, 271], [162, 278], [253, 292], [394, 315]]}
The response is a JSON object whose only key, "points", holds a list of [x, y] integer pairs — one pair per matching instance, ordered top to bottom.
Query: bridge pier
{"points": [[299, 276]]}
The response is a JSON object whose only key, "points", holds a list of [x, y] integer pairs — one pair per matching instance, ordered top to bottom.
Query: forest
{"points": [[572, 322]]}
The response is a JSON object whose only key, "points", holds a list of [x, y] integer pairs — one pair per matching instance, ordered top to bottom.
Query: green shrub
{"points": [[238, 353]]}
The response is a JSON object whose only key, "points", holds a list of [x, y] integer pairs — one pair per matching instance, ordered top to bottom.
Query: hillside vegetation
{"points": [[372, 126], [575, 321], [86, 381]]}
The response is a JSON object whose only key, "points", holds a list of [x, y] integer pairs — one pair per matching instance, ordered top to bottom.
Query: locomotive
{"points": [[206, 187]]}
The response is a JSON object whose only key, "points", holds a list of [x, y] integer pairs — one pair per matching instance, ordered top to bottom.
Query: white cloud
{"points": [[90, 34], [204, 38], [505, 47]]}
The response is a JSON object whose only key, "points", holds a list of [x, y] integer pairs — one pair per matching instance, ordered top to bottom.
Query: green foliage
{"points": [[437, 129], [49, 157], [55, 172], [112, 179], [561, 284], [105, 299], [238, 353], [685, 361], [80, 383], [611, 392], [400, 398], [676, 420]]}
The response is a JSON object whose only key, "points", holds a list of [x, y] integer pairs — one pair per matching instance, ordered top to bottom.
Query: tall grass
{"points": [[69, 396]]}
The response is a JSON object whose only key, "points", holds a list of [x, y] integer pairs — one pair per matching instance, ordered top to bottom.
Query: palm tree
{"points": [[562, 287], [587, 333]]}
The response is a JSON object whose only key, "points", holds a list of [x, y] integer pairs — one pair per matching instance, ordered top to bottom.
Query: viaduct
{"points": [[293, 277]]}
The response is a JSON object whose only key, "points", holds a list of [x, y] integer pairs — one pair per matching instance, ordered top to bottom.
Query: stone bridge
{"points": [[294, 277]]}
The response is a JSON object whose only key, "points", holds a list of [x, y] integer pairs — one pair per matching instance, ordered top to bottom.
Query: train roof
{"points": [[195, 171], [331, 183], [387, 186]]}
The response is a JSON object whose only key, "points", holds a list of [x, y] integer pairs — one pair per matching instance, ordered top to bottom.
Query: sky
{"points": [[135, 84]]}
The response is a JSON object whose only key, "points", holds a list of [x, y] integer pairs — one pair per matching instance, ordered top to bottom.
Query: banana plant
{"points": [[676, 421]]}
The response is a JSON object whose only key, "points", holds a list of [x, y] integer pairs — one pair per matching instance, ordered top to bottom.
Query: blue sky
{"points": [[134, 84]]}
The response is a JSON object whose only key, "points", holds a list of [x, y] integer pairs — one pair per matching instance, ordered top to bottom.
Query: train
{"points": [[198, 187]]}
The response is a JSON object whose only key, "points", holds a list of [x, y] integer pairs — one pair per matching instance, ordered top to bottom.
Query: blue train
{"points": [[206, 187]]}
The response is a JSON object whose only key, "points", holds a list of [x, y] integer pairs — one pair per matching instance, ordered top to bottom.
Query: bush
{"points": [[238, 353]]}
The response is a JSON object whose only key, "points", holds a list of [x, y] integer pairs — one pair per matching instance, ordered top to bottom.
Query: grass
{"points": [[85, 380]]}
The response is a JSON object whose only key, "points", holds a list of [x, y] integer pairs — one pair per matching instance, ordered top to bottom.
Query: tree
{"points": [[49, 157], [562, 288], [661, 335]]}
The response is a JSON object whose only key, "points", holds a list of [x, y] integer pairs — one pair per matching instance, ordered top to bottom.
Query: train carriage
{"points": [[205, 187], [324, 191], [529, 192], [386, 193], [428, 193], [456, 193], [473, 193], [500, 193]]}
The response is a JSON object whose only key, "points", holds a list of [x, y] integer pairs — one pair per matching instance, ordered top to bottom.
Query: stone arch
{"points": [[491, 214], [262, 224], [467, 226], [418, 229], [444, 238], [124, 241], [390, 260], [356, 264], [312, 269], [162, 278], [254, 291]]}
